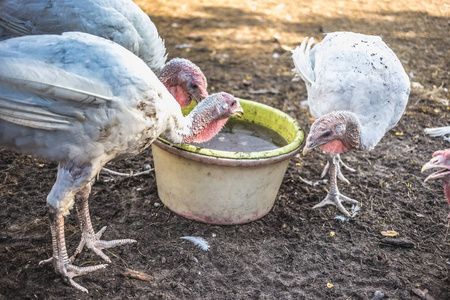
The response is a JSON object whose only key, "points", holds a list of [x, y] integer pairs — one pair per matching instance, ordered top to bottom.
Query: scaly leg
{"points": [[338, 166], [334, 197], [89, 238], [60, 260]]}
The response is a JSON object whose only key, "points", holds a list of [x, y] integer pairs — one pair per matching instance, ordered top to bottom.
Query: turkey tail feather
{"points": [[15, 26], [302, 61]]}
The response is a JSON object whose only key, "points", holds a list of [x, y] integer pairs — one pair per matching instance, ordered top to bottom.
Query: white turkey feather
{"points": [[14, 26], [303, 61], [58, 84], [198, 241]]}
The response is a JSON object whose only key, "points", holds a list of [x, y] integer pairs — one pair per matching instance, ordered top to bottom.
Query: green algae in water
{"points": [[242, 136]]}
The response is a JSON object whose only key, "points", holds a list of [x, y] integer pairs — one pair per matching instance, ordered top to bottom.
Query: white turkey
{"points": [[121, 21], [357, 91], [82, 101]]}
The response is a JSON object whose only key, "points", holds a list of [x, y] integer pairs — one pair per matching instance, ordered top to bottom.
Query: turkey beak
{"points": [[198, 97], [239, 111], [310, 144], [306, 150], [434, 163], [427, 166]]}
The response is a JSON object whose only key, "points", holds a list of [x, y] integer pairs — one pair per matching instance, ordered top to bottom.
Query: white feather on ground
{"points": [[198, 241]]}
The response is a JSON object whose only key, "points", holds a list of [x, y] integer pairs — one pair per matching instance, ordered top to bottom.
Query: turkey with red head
{"points": [[357, 91], [82, 101]]}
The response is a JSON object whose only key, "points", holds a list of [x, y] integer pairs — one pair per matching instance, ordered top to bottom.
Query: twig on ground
{"points": [[398, 242], [137, 275], [422, 294]]}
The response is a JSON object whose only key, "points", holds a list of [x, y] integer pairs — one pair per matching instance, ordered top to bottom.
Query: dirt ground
{"points": [[243, 48]]}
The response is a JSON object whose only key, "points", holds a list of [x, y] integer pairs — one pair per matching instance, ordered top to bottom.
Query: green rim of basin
{"points": [[260, 114]]}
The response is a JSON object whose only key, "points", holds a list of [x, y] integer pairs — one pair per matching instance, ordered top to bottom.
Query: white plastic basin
{"points": [[225, 187]]}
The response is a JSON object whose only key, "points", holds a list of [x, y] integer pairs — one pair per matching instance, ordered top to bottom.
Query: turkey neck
{"points": [[206, 122], [200, 125], [353, 132], [351, 138]]}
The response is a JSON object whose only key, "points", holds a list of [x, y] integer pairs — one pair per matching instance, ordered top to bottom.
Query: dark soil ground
{"points": [[242, 47]]}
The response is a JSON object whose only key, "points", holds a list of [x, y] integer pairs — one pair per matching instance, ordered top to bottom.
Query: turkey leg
{"points": [[338, 166], [334, 197], [89, 238], [60, 260]]}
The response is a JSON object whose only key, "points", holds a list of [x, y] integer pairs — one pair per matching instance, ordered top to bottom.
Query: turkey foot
{"points": [[339, 162], [334, 197], [89, 238], [92, 241], [60, 260]]}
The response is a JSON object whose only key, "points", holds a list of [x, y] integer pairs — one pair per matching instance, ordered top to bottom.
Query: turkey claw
{"points": [[69, 271]]}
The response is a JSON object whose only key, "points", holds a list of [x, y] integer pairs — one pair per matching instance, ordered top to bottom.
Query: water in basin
{"points": [[242, 136]]}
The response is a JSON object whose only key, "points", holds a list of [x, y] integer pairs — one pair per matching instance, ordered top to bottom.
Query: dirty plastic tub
{"points": [[225, 187]]}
